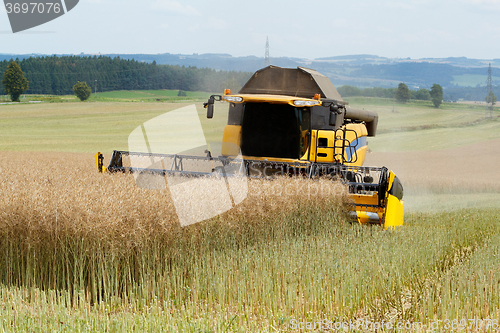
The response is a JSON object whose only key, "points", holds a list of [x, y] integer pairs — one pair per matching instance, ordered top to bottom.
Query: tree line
{"points": [[57, 75], [350, 91], [402, 93], [468, 93], [449, 94]]}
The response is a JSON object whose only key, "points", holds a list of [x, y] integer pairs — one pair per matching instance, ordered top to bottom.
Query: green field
{"points": [[469, 80], [152, 95], [140, 96], [104, 126], [418, 126], [87, 127], [85, 252]]}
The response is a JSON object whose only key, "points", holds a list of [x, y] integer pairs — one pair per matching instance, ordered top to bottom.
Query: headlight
{"points": [[234, 99], [305, 103]]}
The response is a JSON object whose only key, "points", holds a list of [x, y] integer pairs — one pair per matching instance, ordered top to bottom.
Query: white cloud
{"points": [[175, 7], [216, 24]]}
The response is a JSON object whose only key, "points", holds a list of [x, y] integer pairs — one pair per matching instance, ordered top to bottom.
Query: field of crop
{"points": [[82, 251]]}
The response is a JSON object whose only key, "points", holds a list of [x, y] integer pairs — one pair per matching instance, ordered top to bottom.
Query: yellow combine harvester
{"points": [[294, 122]]}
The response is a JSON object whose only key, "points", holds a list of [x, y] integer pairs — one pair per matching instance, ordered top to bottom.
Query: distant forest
{"points": [[57, 75]]}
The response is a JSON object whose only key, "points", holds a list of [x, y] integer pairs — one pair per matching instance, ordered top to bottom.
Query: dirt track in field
{"points": [[475, 166], [467, 176]]}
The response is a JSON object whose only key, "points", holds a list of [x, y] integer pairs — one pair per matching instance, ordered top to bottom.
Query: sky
{"points": [[302, 29]]}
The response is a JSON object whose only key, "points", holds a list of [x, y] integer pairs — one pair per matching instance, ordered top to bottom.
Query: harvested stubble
{"points": [[63, 226]]}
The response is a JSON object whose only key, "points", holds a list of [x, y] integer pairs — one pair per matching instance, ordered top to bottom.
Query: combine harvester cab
{"points": [[294, 122]]}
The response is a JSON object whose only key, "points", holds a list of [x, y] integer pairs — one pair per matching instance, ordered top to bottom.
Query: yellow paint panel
{"points": [[273, 99], [360, 129], [353, 132], [329, 135], [231, 140], [361, 152], [96, 156], [312, 156], [390, 180], [364, 199], [394, 212], [366, 214]]}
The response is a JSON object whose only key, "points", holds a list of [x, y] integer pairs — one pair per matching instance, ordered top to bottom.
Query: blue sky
{"points": [[304, 29]]}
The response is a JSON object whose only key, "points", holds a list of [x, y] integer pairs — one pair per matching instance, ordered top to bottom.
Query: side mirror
{"points": [[210, 107], [210, 111]]}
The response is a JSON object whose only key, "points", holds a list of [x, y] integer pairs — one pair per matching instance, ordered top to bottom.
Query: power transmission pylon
{"points": [[267, 62]]}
